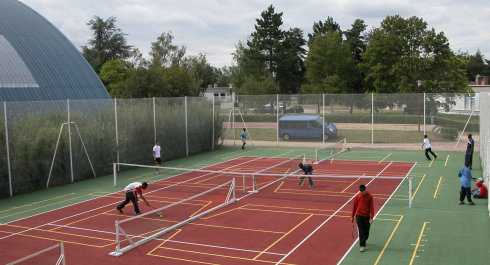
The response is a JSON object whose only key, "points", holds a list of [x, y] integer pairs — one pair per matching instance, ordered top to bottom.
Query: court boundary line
{"points": [[379, 211], [328, 219]]}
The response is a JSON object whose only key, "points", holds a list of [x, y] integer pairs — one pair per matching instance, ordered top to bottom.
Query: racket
{"points": [[303, 181], [158, 213], [352, 229]]}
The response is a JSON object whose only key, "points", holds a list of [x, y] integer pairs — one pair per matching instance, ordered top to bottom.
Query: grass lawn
{"points": [[353, 136]]}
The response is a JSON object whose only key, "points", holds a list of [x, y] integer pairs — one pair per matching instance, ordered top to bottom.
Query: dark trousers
{"points": [[427, 150], [469, 158], [159, 161], [309, 178], [465, 192], [130, 197], [363, 227]]}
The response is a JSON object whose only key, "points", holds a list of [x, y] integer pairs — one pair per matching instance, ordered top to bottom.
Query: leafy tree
{"points": [[322, 28], [265, 41], [108, 43], [402, 51], [163, 53], [475, 65], [329, 66], [290, 68], [115, 71], [253, 86]]}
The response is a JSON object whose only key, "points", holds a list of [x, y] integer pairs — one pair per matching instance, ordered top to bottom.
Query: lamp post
{"points": [[419, 83]]}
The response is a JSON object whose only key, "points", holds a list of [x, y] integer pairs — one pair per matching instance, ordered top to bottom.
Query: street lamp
{"points": [[419, 83]]}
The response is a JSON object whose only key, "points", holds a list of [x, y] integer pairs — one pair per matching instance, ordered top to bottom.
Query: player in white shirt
{"points": [[428, 148], [156, 154], [132, 191]]}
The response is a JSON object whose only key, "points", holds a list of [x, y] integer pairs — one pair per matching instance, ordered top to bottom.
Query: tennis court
{"points": [[282, 222]]}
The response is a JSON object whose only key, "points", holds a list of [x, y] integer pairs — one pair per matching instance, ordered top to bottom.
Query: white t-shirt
{"points": [[427, 143], [157, 149], [135, 186]]}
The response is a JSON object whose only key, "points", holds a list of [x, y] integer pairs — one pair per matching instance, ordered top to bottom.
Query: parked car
{"points": [[294, 109], [262, 110], [306, 126]]}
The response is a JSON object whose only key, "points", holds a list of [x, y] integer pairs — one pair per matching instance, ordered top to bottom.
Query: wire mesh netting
{"points": [[180, 204], [51, 256]]}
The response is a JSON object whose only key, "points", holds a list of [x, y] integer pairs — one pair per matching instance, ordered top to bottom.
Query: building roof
{"points": [[37, 62]]}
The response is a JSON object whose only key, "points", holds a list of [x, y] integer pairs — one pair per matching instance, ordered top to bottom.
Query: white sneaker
{"points": [[158, 172], [311, 186], [362, 249]]}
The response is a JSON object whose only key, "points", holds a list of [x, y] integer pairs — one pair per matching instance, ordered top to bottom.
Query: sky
{"points": [[214, 27]]}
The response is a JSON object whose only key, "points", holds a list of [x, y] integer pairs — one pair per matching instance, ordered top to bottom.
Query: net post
{"points": [[316, 156], [114, 174], [410, 192], [234, 197], [117, 252], [62, 253]]}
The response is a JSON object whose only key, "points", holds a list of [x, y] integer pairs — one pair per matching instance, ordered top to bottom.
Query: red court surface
{"points": [[283, 222]]}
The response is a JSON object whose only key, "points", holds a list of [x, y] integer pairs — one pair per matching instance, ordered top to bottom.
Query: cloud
{"points": [[213, 27]]}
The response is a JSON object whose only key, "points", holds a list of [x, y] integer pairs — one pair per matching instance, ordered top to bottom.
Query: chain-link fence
{"points": [[391, 121], [88, 135], [46, 144]]}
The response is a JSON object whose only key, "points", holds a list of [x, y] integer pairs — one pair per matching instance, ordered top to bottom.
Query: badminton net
{"points": [[330, 151], [275, 173], [135, 231], [53, 255]]}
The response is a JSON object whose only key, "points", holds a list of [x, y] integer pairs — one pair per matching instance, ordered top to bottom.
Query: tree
{"points": [[322, 29], [266, 39], [108, 43], [402, 51], [163, 53], [475, 64], [329, 66], [290, 68], [115, 71]]}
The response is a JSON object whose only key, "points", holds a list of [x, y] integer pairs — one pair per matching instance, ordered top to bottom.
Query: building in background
{"points": [[38, 63]]}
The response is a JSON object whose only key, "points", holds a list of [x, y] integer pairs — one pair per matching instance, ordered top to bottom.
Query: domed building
{"points": [[38, 63]]}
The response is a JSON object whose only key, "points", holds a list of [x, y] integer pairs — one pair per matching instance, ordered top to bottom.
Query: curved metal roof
{"points": [[37, 62]]}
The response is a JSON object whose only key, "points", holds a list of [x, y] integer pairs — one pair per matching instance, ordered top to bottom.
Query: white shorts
{"points": [[243, 141]]}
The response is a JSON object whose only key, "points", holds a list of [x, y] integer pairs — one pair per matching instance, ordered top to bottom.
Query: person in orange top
{"points": [[481, 192], [363, 211]]}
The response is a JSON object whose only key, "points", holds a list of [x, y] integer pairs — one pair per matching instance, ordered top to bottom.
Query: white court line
{"points": [[393, 193], [68, 217], [328, 219], [173, 241]]}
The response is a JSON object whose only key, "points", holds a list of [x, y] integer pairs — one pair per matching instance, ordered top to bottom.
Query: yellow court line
{"points": [[385, 158], [447, 160], [432, 161], [352, 183], [418, 187], [437, 188], [30, 204], [204, 206], [293, 208], [287, 212], [83, 219], [56, 232], [282, 237], [389, 239], [64, 241], [165, 241], [418, 243], [193, 261]]}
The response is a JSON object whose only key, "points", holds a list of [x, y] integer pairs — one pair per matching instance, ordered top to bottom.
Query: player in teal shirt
{"points": [[244, 136], [465, 175]]}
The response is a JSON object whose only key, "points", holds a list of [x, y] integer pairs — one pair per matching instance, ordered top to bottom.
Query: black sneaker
{"points": [[461, 202], [471, 203], [119, 210], [137, 213]]}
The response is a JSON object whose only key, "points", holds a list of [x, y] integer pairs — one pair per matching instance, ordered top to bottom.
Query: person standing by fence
{"points": [[244, 137], [469, 150]]}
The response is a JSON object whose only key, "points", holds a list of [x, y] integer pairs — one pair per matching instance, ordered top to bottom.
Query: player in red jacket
{"points": [[481, 192], [363, 211]]}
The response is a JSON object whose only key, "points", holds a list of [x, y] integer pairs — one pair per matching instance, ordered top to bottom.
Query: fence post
{"points": [[424, 113], [154, 121], [372, 121], [277, 124], [323, 125], [117, 136], [186, 138], [69, 139], [7, 145], [212, 147]]}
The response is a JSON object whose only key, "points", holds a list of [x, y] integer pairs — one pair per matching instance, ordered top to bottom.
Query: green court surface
{"points": [[436, 230]]}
